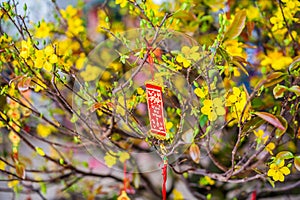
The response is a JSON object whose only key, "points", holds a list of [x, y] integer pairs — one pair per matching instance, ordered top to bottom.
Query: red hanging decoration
{"points": [[155, 110], [164, 174]]}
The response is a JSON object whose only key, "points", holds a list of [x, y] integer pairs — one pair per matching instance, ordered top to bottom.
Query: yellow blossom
{"points": [[122, 3], [69, 12], [253, 13], [43, 30], [234, 48], [26, 49], [191, 53], [45, 58], [276, 60], [80, 61], [186, 63], [172, 65], [90, 73], [199, 92], [237, 101], [213, 108], [14, 114], [169, 125], [44, 130], [260, 136], [14, 138], [270, 147], [123, 156], [110, 158], [2, 165], [277, 171], [206, 180], [12, 184], [177, 195], [123, 196]]}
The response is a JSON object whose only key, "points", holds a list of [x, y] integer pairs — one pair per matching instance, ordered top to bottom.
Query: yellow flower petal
{"points": [[285, 170]]}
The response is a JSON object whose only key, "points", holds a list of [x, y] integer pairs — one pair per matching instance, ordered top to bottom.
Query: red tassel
{"points": [[164, 173], [253, 195]]}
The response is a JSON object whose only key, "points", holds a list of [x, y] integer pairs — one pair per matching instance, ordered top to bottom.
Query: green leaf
{"points": [[237, 25], [238, 61], [294, 64], [274, 78], [295, 89], [278, 91], [74, 118], [271, 119], [253, 124], [279, 132], [40, 151], [283, 155], [297, 162], [136, 180], [271, 182], [43, 188]]}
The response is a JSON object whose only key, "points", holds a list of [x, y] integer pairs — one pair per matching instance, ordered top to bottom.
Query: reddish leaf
{"points": [[250, 27], [24, 84], [278, 91], [271, 119], [195, 153], [297, 162], [20, 170]]}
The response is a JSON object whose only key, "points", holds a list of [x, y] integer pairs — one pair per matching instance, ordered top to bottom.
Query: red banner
{"points": [[156, 109]]}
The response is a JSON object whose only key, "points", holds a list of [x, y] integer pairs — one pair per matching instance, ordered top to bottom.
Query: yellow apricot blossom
{"points": [[122, 3], [74, 22], [43, 30], [234, 48], [26, 49], [191, 53], [45, 58], [181, 59], [281, 63], [90, 73], [200, 93], [237, 101], [213, 108], [44, 130], [260, 136], [14, 138], [270, 147], [123, 156], [110, 158], [2, 165], [278, 170], [12, 184], [177, 195], [123, 196]]}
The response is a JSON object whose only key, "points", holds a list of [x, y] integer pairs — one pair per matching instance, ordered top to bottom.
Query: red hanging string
{"points": [[150, 61], [164, 174]]}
